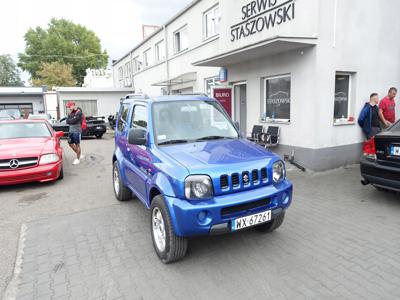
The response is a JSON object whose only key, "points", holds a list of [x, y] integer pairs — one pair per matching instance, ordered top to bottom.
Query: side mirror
{"points": [[59, 134], [137, 137]]}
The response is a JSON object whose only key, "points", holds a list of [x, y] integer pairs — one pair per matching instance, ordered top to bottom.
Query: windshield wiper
{"points": [[213, 137], [172, 142]]}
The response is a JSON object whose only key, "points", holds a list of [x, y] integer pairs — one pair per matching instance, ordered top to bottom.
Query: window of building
{"points": [[211, 19], [181, 42], [160, 51], [146, 58], [137, 65], [127, 70], [120, 73], [209, 82], [343, 96], [277, 98], [139, 119]]}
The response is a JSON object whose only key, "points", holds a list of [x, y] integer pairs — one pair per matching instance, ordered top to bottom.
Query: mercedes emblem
{"points": [[14, 163], [246, 178]]}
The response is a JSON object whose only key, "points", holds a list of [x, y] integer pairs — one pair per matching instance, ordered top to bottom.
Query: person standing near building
{"points": [[387, 108], [369, 117], [74, 121]]}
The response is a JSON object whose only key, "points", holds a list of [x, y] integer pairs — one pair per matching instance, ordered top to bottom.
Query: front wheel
{"points": [[99, 136], [122, 193], [273, 225], [168, 246]]}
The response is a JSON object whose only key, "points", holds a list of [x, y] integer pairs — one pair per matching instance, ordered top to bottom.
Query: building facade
{"points": [[307, 66], [98, 78], [22, 98]]}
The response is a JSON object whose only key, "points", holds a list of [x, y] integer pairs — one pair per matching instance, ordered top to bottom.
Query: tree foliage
{"points": [[63, 42], [9, 73], [54, 74]]}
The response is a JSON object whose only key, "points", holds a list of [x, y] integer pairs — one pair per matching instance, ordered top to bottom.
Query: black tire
{"points": [[99, 136], [61, 176], [122, 193], [273, 225], [175, 246]]}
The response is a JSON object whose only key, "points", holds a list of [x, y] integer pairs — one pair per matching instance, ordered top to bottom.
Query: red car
{"points": [[30, 151]]}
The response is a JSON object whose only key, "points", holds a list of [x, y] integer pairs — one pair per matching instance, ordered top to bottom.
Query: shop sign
{"points": [[262, 15], [223, 75], [224, 97]]}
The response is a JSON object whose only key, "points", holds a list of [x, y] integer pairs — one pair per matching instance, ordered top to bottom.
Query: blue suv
{"points": [[184, 158]]}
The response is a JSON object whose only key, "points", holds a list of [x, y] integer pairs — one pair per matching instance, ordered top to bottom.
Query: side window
{"points": [[123, 116], [139, 119]]}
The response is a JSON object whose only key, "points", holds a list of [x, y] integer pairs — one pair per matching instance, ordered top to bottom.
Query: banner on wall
{"points": [[224, 96]]}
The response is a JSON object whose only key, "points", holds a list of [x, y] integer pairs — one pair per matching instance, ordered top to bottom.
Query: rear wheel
{"points": [[99, 136], [122, 193], [273, 225], [168, 246]]}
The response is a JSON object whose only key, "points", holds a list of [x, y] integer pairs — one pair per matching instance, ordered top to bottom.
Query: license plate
{"points": [[395, 150], [251, 220]]}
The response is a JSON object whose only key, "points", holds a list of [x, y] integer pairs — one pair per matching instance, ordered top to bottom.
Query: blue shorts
{"points": [[74, 138]]}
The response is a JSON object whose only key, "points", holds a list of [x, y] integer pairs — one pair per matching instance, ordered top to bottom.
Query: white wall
{"points": [[36, 101], [107, 102]]}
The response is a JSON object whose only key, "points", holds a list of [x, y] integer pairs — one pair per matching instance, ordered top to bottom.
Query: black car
{"points": [[96, 126], [380, 165]]}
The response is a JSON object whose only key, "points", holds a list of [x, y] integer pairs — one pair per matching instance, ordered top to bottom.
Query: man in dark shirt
{"points": [[369, 118], [74, 121]]}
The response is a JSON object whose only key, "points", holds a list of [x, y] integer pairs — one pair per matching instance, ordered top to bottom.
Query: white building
{"points": [[307, 66], [22, 98]]}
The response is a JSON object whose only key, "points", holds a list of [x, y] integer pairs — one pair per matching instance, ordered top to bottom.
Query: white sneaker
{"points": [[82, 157], [76, 162]]}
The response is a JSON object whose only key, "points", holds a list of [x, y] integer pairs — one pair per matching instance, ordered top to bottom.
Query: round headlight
{"points": [[278, 171], [198, 187]]}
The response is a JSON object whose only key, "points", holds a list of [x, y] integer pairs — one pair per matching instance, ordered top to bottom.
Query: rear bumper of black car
{"points": [[95, 130], [379, 175]]}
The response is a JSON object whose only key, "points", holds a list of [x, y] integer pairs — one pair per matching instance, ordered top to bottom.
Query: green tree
{"points": [[63, 42], [9, 73], [54, 74]]}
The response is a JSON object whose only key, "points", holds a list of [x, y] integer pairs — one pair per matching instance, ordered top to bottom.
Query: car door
{"points": [[139, 165]]}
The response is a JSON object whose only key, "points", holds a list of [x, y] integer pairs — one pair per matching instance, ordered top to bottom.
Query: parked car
{"points": [[10, 114], [46, 117], [96, 126], [29, 151], [185, 160], [380, 164]]}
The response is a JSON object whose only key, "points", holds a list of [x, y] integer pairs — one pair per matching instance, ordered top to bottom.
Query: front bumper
{"points": [[43, 173], [379, 175], [193, 218]]}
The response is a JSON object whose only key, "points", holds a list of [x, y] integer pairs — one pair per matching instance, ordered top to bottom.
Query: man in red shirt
{"points": [[387, 108]]}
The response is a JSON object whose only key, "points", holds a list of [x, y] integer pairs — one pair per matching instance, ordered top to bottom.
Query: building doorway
{"points": [[240, 105]]}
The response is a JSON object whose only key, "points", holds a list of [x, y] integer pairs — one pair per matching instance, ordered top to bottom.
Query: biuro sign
{"points": [[261, 15], [224, 97]]}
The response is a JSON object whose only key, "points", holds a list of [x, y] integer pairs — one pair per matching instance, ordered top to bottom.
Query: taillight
{"points": [[369, 149]]}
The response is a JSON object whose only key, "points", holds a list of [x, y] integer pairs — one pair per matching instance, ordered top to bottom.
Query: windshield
{"points": [[10, 114], [189, 121], [23, 130]]}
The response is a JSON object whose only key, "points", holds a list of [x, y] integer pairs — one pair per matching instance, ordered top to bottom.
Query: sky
{"points": [[118, 23]]}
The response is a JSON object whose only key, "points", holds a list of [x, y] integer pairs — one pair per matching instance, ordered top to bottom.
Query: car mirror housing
{"points": [[59, 134], [137, 137]]}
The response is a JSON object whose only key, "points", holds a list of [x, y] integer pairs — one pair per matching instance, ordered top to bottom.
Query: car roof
{"points": [[179, 97], [23, 121]]}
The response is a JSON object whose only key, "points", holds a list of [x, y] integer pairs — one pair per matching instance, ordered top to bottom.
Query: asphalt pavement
{"points": [[339, 240]]}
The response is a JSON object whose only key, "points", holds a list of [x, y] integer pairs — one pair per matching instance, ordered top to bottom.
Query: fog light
{"points": [[48, 173], [204, 217]]}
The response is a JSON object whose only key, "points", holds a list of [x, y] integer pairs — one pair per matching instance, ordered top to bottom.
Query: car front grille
{"points": [[17, 163], [243, 179], [246, 207]]}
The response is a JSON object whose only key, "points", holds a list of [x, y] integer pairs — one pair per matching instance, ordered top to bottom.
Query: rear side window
{"points": [[123, 116], [139, 119]]}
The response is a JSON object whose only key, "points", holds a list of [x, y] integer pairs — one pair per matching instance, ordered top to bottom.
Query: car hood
{"points": [[27, 147], [221, 155]]}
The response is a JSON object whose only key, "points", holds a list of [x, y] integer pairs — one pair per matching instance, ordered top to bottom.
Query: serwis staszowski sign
{"points": [[261, 15]]}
